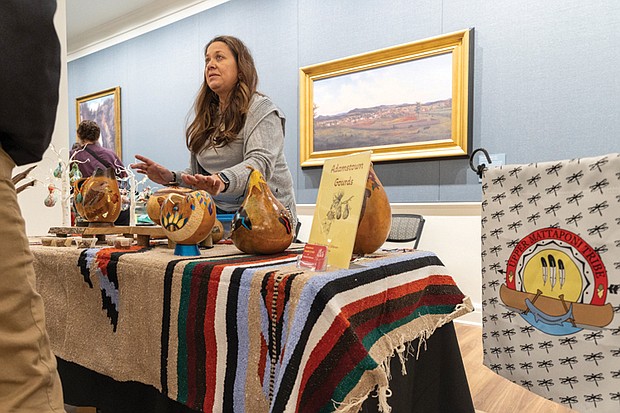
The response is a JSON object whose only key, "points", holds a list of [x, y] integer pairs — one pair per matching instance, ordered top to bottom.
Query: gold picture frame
{"points": [[103, 107], [419, 128]]}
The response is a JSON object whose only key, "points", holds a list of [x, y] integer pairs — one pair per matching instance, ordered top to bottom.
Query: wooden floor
{"points": [[492, 393]]}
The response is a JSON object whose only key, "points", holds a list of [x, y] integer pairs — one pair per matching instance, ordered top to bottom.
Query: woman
{"points": [[234, 127], [90, 156]]}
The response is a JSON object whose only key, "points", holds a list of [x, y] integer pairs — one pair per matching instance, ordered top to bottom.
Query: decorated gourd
{"points": [[97, 198], [153, 205], [375, 217], [187, 219], [262, 225], [217, 233]]}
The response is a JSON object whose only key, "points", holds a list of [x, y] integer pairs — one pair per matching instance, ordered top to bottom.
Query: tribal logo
{"points": [[558, 282]]}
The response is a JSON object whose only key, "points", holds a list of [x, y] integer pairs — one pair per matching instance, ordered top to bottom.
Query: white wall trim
{"points": [[133, 25], [430, 208]]}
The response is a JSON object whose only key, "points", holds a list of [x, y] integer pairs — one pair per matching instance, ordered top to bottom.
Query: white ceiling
{"points": [[95, 24]]}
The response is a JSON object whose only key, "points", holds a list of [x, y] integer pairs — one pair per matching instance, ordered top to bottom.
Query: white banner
{"points": [[551, 279]]}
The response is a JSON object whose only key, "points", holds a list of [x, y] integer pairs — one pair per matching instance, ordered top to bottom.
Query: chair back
{"points": [[406, 228]]}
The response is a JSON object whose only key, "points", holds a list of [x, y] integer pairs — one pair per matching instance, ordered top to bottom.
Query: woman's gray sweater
{"points": [[260, 146]]}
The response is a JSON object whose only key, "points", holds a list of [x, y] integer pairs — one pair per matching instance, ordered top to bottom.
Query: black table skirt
{"points": [[435, 383]]}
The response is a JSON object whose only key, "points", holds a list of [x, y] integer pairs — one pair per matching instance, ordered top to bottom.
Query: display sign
{"points": [[338, 206], [314, 257]]}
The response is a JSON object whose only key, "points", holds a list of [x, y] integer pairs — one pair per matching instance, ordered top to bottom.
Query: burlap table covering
{"points": [[232, 332]]}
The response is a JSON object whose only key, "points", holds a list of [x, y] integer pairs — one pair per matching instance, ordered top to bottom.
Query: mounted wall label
{"points": [[497, 159]]}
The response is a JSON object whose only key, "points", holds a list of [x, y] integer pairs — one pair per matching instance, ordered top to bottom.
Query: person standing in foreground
{"points": [[29, 79], [234, 128]]}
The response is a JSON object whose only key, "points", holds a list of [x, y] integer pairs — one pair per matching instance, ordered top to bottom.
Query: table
{"points": [[234, 332]]}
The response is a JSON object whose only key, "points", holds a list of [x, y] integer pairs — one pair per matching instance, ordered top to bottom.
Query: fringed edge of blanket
{"points": [[403, 348]]}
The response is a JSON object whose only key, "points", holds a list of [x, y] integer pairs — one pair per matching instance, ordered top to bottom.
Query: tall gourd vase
{"points": [[97, 198], [375, 217], [187, 220], [262, 225]]}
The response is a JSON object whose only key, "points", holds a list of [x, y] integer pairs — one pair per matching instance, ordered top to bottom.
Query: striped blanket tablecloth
{"points": [[231, 332]]}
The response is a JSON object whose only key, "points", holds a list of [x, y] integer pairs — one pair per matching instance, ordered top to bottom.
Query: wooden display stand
{"points": [[143, 233]]}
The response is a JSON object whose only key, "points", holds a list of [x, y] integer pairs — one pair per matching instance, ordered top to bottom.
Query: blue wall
{"points": [[546, 83]]}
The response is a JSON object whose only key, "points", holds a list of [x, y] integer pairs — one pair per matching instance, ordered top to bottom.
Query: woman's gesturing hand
{"points": [[156, 172], [210, 183]]}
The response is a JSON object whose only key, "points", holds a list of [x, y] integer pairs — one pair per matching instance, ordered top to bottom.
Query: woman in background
{"points": [[92, 156]]}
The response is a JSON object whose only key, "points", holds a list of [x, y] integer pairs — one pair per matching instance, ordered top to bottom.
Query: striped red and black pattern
{"points": [[105, 264], [257, 334]]}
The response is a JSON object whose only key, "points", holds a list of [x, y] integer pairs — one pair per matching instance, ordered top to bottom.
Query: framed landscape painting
{"points": [[403, 102], [104, 108]]}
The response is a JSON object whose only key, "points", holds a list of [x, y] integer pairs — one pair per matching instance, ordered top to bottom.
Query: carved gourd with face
{"points": [[97, 198], [153, 205], [187, 219]]}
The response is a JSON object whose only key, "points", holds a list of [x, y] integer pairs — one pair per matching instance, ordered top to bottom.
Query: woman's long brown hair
{"points": [[208, 121]]}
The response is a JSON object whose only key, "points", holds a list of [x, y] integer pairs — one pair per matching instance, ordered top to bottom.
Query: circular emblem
{"points": [[558, 281]]}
